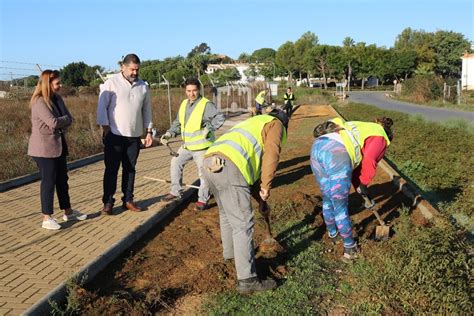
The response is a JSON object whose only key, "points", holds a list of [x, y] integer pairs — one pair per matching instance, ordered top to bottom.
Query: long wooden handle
{"points": [[168, 181]]}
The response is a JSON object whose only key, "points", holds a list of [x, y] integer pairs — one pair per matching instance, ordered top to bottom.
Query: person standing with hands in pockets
{"points": [[123, 111]]}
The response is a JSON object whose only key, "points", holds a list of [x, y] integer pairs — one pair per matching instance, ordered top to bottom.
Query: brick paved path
{"points": [[35, 262]]}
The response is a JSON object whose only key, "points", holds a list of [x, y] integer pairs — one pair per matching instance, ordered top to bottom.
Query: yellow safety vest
{"points": [[288, 97], [260, 99], [191, 131], [354, 135], [243, 144]]}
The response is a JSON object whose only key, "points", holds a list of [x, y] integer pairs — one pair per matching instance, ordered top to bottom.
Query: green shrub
{"points": [[424, 88]]}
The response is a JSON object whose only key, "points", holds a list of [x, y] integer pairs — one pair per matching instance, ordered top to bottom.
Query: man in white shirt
{"points": [[123, 111]]}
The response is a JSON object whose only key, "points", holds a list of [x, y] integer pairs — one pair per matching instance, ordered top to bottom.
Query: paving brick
{"points": [[17, 281], [5, 292], [26, 294], [6, 311]]}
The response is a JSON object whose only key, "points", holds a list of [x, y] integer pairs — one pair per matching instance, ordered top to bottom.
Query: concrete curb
{"points": [[19, 181], [89, 271]]}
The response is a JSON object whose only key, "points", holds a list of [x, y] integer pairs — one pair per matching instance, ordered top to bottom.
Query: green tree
{"points": [[422, 43], [449, 47], [301, 48], [201, 49], [263, 55], [347, 55], [285, 57], [245, 58], [367, 58], [325, 61], [402, 63], [73, 74], [90, 75]]}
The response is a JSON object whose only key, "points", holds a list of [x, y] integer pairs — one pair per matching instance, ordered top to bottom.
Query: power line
{"points": [[23, 63], [18, 68]]}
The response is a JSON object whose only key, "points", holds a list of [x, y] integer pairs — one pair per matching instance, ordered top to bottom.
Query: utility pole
{"points": [[169, 96]]}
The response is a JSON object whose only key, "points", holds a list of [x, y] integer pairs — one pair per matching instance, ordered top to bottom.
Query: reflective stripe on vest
{"points": [[260, 97], [191, 131], [354, 135], [243, 144]]}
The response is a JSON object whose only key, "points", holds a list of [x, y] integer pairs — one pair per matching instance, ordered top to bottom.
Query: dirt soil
{"points": [[180, 262]]}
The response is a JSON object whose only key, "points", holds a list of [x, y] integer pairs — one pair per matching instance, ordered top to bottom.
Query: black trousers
{"points": [[288, 108], [120, 150], [53, 173]]}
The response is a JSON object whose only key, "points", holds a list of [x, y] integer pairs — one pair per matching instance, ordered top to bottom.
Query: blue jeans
{"points": [[332, 168]]}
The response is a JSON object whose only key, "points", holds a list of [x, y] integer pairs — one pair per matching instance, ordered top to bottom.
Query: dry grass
{"points": [[84, 138]]}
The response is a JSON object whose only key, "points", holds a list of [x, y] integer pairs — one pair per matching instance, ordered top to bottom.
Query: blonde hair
{"points": [[43, 88]]}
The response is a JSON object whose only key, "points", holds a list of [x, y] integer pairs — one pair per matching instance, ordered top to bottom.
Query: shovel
{"points": [[168, 181], [382, 231], [269, 248]]}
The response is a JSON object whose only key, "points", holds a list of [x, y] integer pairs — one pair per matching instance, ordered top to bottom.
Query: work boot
{"points": [[248, 286]]}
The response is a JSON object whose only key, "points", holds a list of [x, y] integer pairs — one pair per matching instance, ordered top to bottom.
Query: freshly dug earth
{"points": [[177, 264]]}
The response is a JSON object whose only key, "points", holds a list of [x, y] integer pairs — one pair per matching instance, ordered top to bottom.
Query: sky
{"points": [[54, 33]]}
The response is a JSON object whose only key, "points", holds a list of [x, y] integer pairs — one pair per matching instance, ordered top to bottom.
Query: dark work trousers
{"points": [[288, 107], [120, 150], [53, 173]]}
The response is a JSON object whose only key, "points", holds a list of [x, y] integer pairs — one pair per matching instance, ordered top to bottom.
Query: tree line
{"points": [[413, 52]]}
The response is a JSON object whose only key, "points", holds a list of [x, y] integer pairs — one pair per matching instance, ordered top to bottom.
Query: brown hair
{"points": [[43, 88], [386, 123]]}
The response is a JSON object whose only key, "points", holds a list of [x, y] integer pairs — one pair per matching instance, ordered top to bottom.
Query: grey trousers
{"points": [[176, 169], [232, 195]]}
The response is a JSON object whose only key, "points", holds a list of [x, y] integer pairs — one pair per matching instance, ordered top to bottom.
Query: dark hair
{"points": [[131, 58], [192, 81], [281, 115], [386, 123], [325, 128]]}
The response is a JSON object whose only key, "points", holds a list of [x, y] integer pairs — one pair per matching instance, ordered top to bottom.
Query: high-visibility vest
{"points": [[288, 97], [260, 99], [191, 131], [354, 135], [243, 144]]}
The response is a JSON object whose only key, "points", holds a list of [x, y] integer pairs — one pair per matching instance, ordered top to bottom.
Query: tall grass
{"points": [[83, 137]]}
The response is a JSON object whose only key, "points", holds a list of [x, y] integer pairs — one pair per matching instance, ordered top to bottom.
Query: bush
{"points": [[423, 88]]}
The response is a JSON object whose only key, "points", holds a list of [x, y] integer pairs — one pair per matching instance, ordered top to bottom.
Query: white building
{"points": [[241, 68], [467, 75]]}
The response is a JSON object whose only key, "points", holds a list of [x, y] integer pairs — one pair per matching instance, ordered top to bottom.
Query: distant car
{"points": [[316, 85]]}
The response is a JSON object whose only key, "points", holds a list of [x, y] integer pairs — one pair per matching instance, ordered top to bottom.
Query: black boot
{"points": [[254, 284]]}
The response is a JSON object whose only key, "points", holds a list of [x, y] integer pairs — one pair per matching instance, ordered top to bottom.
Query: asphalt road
{"points": [[430, 113]]}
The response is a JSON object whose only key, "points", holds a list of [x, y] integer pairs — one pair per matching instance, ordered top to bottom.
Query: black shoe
{"points": [[248, 286]]}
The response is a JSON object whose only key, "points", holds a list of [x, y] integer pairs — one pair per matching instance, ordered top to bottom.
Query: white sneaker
{"points": [[75, 215], [51, 224]]}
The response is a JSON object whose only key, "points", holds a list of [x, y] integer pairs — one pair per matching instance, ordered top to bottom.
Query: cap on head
{"points": [[281, 115]]}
